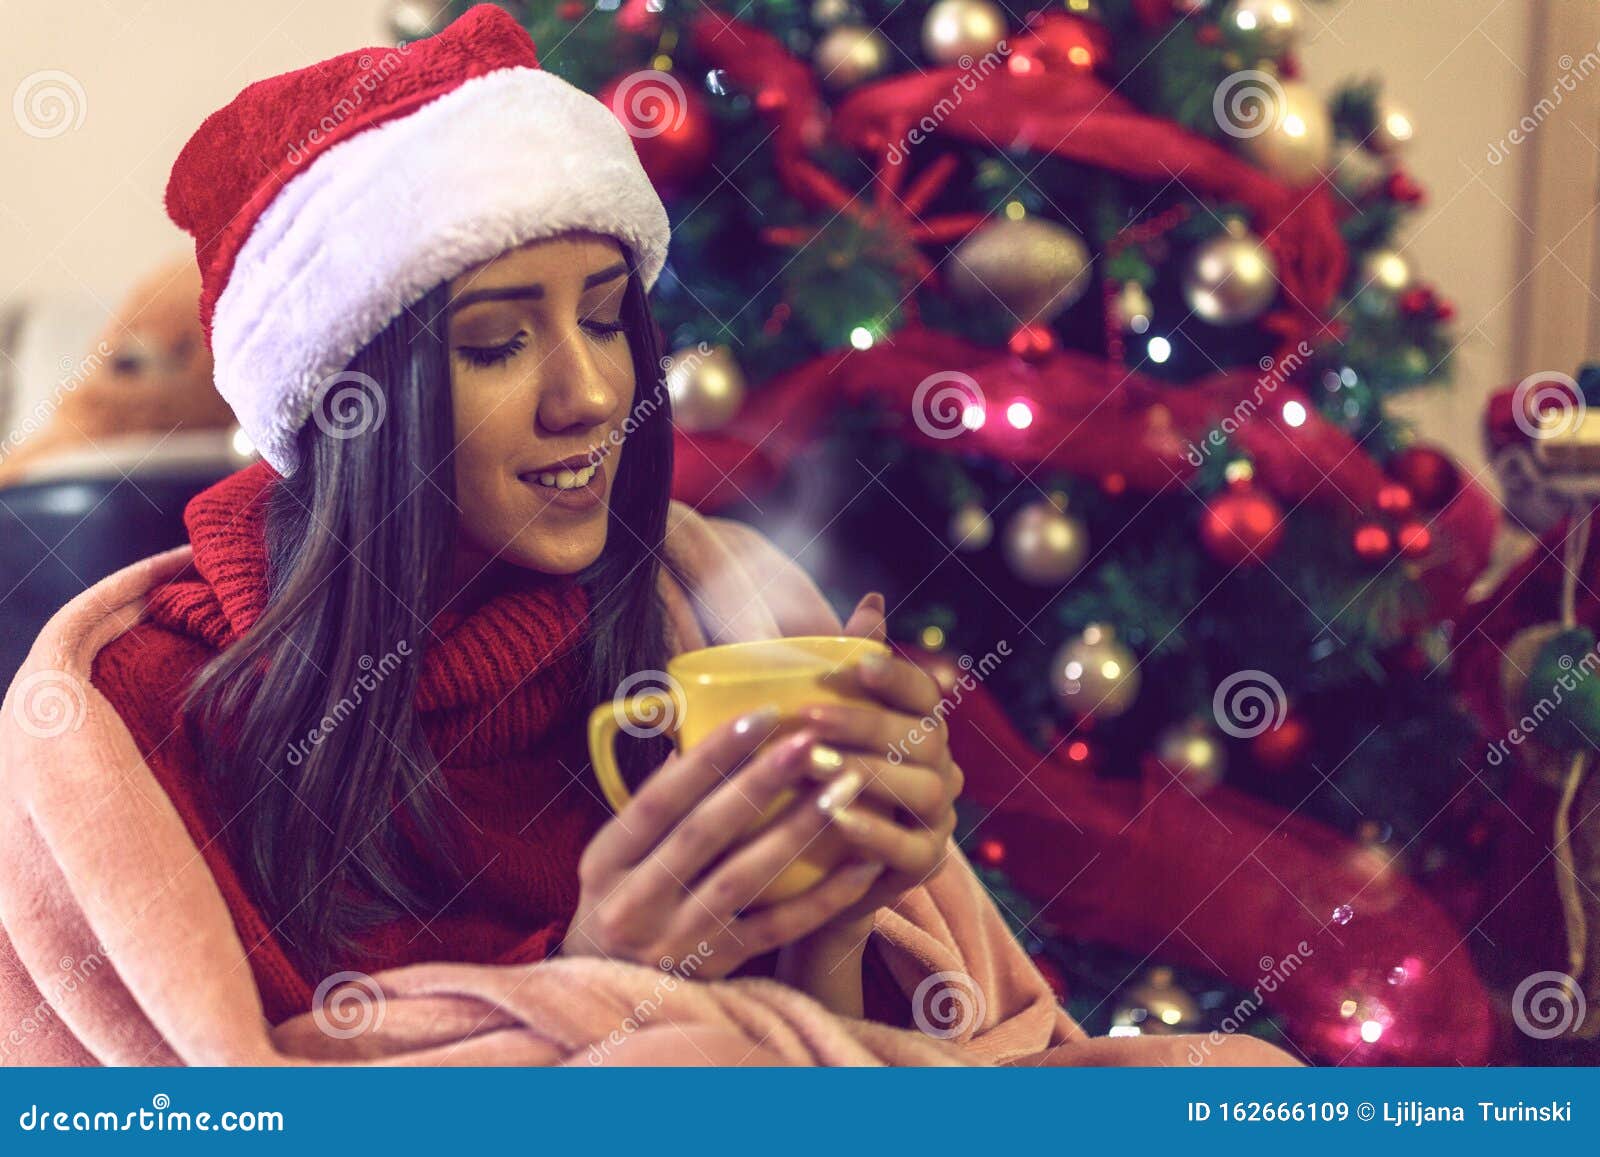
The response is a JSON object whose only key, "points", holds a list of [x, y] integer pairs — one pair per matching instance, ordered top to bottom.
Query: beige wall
{"points": [[81, 212]]}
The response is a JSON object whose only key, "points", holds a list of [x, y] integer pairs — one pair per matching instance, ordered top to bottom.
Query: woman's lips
{"points": [[569, 485]]}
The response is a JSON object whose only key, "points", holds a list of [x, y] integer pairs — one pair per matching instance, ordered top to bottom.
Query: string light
{"points": [[861, 337], [1159, 349], [1294, 414], [1020, 415]]}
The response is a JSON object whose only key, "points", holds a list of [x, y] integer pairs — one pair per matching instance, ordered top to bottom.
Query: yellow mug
{"points": [[707, 688]]}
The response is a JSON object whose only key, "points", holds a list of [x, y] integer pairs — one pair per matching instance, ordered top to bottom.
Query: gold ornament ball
{"points": [[826, 13], [415, 19], [1267, 27], [956, 28], [849, 54], [1392, 129], [1298, 143], [1031, 267], [1386, 272], [1230, 279], [1133, 307], [706, 387], [971, 528], [1044, 544], [1095, 675], [1193, 754], [1156, 1006]]}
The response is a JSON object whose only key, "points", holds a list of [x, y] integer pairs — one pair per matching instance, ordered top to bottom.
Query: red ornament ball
{"points": [[1059, 43], [669, 122], [1402, 188], [1418, 301], [1032, 342], [1429, 474], [1395, 499], [1241, 525], [1415, 539], [1372, 542], [1281, 747], [991, 853]]}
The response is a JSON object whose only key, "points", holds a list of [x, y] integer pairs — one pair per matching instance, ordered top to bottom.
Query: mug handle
{"points": [[605, 724]]}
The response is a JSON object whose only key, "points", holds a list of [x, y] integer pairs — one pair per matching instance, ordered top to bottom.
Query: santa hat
{"points": [[325, 201]]}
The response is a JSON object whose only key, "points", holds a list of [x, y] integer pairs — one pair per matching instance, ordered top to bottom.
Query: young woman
{"points": [[383, 666], [363, 686]]}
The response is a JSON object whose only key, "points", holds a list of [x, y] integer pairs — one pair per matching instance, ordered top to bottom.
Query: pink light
{"points": [[1020, 415], [974, 416]]}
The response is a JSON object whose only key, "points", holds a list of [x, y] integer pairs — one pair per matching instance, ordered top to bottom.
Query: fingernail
{"points": [[873, 601], [874, 663], [761, 717], [825, 762], [840, 793], [849, 821], [861, 875]]}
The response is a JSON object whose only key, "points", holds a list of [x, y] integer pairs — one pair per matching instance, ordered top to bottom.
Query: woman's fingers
{"points": [[867, 621], [899, 684], [876, 731], [677, 786], [923, 791], [729, 813], [915, 852], [737, 882], [801, 915]]}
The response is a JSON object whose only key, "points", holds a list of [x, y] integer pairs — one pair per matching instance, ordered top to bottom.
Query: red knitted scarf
{"points": [[497, 705]]}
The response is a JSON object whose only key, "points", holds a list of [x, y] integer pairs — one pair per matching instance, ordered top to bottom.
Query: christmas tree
{"points": [[1073, 331]]}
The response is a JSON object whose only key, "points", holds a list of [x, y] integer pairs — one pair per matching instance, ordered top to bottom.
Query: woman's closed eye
{"points": [[492, 355]]}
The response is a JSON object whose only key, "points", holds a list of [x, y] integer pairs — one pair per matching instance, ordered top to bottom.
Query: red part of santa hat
{"points": [[325, 201]]}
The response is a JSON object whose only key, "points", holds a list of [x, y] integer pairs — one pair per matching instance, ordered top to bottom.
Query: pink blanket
{"points": [[119, 949]]}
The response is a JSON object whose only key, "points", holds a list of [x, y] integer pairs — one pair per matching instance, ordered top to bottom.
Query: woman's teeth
{"points": [[567, 479]]}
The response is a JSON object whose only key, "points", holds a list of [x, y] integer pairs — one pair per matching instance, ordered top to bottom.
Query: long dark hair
{"points": [[360, 542]]}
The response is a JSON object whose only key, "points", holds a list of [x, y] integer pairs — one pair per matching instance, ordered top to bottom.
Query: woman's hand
{"points": [[894, 749], [675, 873]]}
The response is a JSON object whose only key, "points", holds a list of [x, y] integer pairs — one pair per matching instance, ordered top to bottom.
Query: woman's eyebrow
{"points": [[513, 292]]}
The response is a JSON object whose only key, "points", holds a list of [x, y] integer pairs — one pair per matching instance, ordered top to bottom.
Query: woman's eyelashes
{"points": [[493, 355]]}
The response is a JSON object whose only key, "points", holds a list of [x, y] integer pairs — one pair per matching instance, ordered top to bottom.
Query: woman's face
{"points": [[542, 378]]}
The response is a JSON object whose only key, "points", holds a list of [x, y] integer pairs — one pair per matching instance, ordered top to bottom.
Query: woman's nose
{"points": [[575, 390]]}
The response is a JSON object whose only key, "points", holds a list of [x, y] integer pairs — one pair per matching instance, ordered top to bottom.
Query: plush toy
{"points": [[148, 375]]}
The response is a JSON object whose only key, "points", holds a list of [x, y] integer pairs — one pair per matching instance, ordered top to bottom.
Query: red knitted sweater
{"points": [[496, 705]]}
